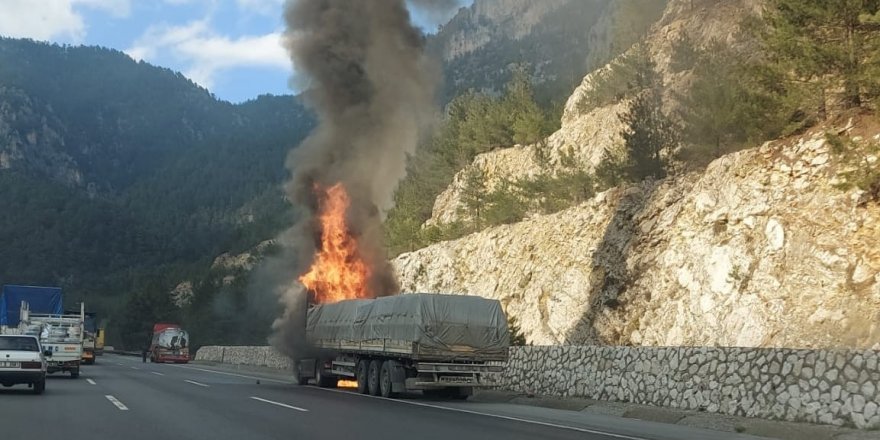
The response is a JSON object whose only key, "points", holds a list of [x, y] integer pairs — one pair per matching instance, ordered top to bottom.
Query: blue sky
{"points": [[230, 47]]}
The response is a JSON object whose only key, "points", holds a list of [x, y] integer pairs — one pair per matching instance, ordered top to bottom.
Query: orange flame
{"points": [[339, 272], [347, 384]]}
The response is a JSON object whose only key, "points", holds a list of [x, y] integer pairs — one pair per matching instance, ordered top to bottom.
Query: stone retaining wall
{"points": [[245, 355], [816, 386]]}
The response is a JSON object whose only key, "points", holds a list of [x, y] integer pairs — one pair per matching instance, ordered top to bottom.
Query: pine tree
{"points": [[829, 44], [725, 105], [527, 121], [649, 132], [473, 196]]}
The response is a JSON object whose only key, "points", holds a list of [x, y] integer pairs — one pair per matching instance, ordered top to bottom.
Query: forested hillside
{"points": [[114, 171], [124, 181]]}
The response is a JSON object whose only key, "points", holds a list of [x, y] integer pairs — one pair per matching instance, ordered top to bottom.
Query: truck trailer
{"points": [[41, 300], [38, 311], [60, 335], [90, 337], [442, 345]]}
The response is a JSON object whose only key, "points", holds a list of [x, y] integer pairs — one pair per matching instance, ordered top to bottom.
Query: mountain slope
{"points": [[558, 40], [116, 168], [772, 245], [762, 249]]}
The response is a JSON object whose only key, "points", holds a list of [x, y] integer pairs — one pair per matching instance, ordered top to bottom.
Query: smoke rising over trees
{"points": [[366, 78]]}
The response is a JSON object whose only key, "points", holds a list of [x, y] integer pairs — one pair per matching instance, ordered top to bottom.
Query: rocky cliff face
{"points": [[486, 20], [558, 41], [590, 134], [31, 139], [760, 249]]}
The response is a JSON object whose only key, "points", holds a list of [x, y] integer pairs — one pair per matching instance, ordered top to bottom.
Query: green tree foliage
{"points": [[826, 45], [615, 83], [726, 105], [475, 123], [528, 123], [650, 134], [858, 168], [611, 171], [130, 173], [552, 192], [474, 197], [504, 206], [145, 306]]}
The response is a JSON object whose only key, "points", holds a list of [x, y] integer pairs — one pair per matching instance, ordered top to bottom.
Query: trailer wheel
{"points": [[363, 371], [74, 373], [297, 375], [385, 379], [323, 380], [373, 382], [462, 393]]}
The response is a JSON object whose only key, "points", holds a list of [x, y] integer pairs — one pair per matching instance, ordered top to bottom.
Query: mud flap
{"points": [[398, 377]]}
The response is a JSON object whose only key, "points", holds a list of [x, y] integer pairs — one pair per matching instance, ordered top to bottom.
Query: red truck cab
{"points": [[170, 343]]}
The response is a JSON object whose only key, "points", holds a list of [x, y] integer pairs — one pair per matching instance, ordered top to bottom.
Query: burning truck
{"points": [[371, 87], [441, 344]]}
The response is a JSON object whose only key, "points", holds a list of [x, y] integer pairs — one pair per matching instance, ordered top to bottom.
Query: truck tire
{"points": [[74, 373], [297, 375], [362, 376], [373, 377], [323, 380], [40, 386], [385, 386], [462, 393]]}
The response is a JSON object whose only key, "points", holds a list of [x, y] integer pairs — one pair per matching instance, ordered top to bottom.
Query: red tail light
{"points": [[31, 365]]}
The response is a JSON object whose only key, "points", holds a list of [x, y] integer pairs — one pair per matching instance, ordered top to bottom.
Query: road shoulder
{"points": [[703, 420]]}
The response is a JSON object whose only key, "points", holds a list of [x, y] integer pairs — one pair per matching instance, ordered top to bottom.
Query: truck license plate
{"points": [[8, 364]]}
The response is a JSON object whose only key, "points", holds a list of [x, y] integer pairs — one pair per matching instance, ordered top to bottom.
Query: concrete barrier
{"points": [[260, 356]]}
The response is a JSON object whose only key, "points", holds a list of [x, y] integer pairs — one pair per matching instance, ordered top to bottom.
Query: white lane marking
{"points": [[119, 363], [135, 368], [157, 373], [231, 374], [90, 381], [196, 383], [116, 402], [279, 404], [497, 416]]}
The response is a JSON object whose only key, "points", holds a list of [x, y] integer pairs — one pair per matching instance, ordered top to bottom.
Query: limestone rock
{"points": [[592, 274]]}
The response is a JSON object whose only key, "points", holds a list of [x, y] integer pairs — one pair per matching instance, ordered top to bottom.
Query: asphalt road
{"points": [[123, 398]]}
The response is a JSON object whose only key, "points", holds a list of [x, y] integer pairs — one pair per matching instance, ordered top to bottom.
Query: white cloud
{"points": [[56, 18], [53, 19], [205, 53]]}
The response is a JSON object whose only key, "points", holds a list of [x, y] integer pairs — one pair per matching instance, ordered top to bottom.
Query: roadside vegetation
{"points": [[805, 62], [475, 123]]}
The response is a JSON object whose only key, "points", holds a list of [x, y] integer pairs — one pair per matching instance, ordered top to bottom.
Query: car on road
{"points": [[22, 361]]}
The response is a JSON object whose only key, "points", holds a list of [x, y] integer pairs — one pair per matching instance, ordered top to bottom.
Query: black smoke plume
{"points": [[362, 69]]}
